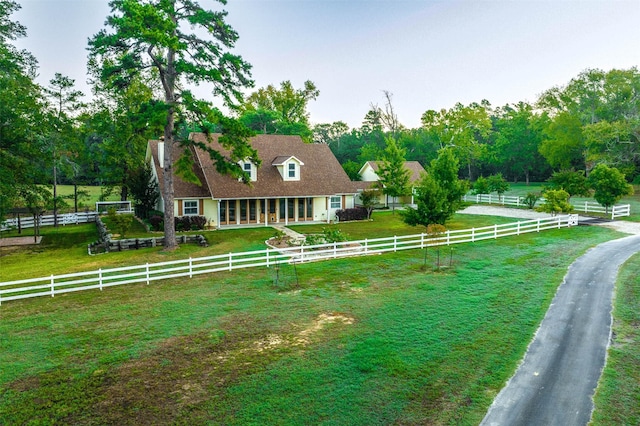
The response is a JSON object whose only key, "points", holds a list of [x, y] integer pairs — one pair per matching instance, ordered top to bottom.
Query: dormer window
{"points": [[289, 167], [250, 169]]}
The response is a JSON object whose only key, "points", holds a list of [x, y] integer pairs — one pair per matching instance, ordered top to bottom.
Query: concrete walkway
{"points": [[296, 237], [556, 381]]}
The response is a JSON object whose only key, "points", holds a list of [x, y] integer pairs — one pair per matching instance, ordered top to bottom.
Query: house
{"points": [[369, 176], [295, 183]]}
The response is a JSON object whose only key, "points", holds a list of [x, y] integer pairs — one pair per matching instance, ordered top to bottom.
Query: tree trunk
{"points": [[167, 192], [55, 193], [75, 196], [170, 242]]}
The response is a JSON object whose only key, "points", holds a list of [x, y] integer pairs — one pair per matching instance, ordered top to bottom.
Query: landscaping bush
{"points": [[531, 199], [356, 213], [157, 222], [198, 222], [190, 223]]}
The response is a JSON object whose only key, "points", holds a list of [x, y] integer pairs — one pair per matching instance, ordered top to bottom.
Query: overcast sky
{"points": [[428, 54]]}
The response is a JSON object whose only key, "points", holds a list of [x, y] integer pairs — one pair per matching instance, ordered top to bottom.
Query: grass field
{"points": [[360, 341]]}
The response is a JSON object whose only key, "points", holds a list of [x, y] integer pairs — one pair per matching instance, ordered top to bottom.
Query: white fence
{"points": [[586, 207], [48, 220], [102, 278]]}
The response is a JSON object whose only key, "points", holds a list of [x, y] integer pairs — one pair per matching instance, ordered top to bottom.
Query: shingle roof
{"points": [[414, 167], [321, 174]]}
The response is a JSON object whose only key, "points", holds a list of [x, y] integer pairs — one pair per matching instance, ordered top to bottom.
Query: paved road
{"points": [[556, 381]]}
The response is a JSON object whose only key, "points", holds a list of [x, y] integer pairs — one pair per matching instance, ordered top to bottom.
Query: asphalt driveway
{"points": [[555, 383]]}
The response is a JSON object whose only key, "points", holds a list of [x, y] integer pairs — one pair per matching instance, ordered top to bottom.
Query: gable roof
{"points": [[279, 161], [414, 167], [320, 172]]}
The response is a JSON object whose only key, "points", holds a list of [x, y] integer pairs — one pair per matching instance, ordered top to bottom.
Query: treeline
{"points": [[593, 119]]}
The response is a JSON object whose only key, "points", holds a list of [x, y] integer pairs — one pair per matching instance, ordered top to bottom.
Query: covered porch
{"points": [[271, 211]]}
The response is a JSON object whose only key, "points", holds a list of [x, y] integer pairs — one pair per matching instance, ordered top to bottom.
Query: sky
{"points": [[427, 54]]}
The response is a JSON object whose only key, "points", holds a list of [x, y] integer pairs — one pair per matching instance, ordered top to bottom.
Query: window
{"points": [[247, 168], [292, 170], [336, 202], [190, 208]]}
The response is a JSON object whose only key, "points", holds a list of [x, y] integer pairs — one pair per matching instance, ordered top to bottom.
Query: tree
{"points": [[183, 44], [606, 106], [280, 111], [21, 114], [387, 117], [463, 128], [116, 130], [330, 133], [518, 134], [62, 138], [563, 146], [352, 169], [445, 171], [393, 175], [572, 181], [497, 184], [608, 184], [481, 186], [144, 190], [438, 194], [368, 199], [555, 201]]}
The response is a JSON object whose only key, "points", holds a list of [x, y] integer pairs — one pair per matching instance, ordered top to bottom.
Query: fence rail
{"points": [[619, 210], [49, 220], [102, 278]]}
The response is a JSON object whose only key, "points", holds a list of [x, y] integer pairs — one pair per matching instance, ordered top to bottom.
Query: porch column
{"points": [[328, 205], [286, 211], [266, 212], [218, 216]]}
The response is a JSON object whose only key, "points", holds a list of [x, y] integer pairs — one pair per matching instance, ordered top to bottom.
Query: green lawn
{"points": [[360, 341], [618, 396]]}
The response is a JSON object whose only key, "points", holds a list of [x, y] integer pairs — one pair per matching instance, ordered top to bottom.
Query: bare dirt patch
{"points": [[19, 241]]}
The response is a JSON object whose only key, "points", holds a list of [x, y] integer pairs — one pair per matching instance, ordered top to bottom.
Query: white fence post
{"points": [[538, 227], [495, 231], [473, 235], [448, 236], [422, 240], [395, 243], [365, 246], [335, 249], [230, 261], [190, 267], [147, 272], [100, 278], [53, 291]]}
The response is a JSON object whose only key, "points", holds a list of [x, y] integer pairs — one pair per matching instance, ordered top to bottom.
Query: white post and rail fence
{"points": [[619, 210], [67, 218], [102, 278]]}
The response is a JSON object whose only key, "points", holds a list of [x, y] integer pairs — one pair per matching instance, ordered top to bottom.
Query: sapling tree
{"points": [[608, 184], [555, 201]]}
